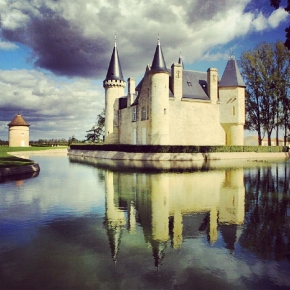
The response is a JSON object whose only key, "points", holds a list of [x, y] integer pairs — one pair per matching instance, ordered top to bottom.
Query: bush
{"points": [[177, 148]]}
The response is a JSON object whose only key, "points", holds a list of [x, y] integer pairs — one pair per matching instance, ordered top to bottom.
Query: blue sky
{"points": [[54, 53]]}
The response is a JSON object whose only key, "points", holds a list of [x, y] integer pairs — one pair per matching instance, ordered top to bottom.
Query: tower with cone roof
{"points": [[114, 85], [159, 92], [18, 134]]}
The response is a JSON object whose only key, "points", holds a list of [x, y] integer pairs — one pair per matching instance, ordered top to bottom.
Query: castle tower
{"points": [[114, 85], [159, 88], [232, 103], [18, 135], [115, 220]]}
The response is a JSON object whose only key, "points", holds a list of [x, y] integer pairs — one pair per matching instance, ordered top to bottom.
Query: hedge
{"points": [[177, 148]]}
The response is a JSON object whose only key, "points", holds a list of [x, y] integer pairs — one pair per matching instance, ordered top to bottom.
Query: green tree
{"points": [[276, 5], [266, 73], [97, 132]]}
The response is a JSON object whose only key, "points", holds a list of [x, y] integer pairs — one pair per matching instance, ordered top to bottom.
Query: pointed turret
{"points": [[158, 63], [115, 70], [232, 76], [114, 85], [159, 87], [232, 103]]}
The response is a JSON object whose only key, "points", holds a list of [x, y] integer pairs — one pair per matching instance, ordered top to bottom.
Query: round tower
{"points": [[114, 85], [159, 88], [18, 135]]}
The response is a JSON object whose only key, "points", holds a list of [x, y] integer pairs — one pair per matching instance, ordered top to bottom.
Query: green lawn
{"points": [[7, 160]]}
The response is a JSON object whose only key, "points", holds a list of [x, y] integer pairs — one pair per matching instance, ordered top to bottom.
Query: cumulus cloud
{"points": [[75, 38], [5, 45], [55, 108]]}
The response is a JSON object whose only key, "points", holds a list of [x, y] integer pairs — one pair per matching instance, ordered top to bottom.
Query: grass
{"points": [[7, 160]]}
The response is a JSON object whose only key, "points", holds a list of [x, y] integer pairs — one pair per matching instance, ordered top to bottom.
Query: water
{"points": [[89, 224]]}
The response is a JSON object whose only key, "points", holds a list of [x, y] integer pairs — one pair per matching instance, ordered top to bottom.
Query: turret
{"points": [[114, 85], [159, 87], [232, 103]]}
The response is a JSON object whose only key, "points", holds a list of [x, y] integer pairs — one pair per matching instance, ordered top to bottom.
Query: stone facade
{"points": [[175, 107]]}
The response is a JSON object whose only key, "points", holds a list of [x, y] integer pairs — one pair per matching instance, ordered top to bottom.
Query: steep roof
{"points": [[158, 63], [114, 70], [232, 76], [194, 85], [18, 121]]}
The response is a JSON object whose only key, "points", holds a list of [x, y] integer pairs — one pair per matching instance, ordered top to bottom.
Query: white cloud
{"points": [[277, 17], [260, 22], [5, 45], [54, 108]]}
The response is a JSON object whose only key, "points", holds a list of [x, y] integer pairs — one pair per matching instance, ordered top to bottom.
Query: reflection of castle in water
{"points": [[173, 207]]}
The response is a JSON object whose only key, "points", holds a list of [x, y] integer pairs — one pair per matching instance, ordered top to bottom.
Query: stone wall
{"points": [[115, 155]]}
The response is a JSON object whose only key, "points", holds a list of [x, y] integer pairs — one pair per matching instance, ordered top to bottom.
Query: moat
{"points": [[94, 224]]}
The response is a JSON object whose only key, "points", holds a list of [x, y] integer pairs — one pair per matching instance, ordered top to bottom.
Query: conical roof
{"points": [[158, 63], [114, 70], [232, 76], [18, 121]]}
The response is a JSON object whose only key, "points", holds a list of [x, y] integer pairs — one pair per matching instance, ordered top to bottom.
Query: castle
{"points": [[174, 107]]}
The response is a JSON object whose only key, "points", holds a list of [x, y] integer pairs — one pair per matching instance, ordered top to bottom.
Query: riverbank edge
{"points": [[118, 155], [31, 168], [19, 170]]}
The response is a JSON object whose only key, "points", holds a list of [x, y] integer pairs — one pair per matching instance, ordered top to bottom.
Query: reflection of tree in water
{"points": [[267, 221]]}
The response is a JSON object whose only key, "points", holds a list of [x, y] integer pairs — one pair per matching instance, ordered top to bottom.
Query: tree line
{"points": [[266, 72]]}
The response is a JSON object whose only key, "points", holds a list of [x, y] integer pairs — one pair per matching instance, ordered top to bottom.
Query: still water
{"points": [[89, 224]]}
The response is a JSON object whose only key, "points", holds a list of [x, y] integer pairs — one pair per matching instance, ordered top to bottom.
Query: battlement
{"points": [[114, 83]]}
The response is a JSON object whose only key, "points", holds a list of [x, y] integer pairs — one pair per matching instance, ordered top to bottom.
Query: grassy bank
{"points": [[7, 160]]}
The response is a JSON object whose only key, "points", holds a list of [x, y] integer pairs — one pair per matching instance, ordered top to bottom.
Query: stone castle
{"points": [[174, 107]]}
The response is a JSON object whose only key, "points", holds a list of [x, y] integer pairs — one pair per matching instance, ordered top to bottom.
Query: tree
{"points": [[276, 5], [266, 73], [97, 132]]}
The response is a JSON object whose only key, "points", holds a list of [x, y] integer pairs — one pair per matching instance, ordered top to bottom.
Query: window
{"points": [[189, 84], [234, 110], [165, 112], [143, 114], [134, 115]]}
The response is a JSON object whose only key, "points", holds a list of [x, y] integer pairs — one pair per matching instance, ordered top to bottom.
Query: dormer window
{"points": [[189, 84]]}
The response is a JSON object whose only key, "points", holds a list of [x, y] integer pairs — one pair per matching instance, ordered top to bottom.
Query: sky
{"points": [[54, 54]]}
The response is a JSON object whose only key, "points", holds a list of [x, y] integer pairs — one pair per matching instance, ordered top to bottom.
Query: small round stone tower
{"points": [[114, 85], [159, 87], [18, 135]]}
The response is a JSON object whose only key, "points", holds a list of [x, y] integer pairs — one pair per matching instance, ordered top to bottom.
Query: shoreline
{"points": [[32, 168]]}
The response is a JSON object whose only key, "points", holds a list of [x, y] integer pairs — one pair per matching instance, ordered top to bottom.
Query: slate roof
{"points": [[115, 70], [232, 76], [194, 85], [18, 121]]}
